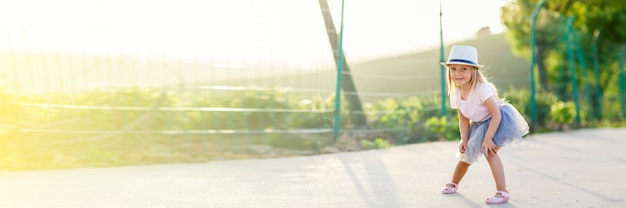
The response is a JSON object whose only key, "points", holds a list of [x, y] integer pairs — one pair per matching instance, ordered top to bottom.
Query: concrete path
{"points": [[584, 168]]}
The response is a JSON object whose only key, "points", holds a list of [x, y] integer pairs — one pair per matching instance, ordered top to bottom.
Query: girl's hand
{"points": [[462, 147], [489, 147]]}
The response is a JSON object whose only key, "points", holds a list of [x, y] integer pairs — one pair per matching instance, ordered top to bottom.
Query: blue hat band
{"points": [[463, 61]]}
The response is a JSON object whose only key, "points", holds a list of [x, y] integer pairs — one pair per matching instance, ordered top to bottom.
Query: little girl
{"points": [[486, 123]]}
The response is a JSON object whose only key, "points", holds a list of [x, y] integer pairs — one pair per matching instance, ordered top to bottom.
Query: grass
{"points": [[24, 153]]}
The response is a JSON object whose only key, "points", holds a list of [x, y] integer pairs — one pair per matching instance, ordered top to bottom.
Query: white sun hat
{"points": [[464, 55]]}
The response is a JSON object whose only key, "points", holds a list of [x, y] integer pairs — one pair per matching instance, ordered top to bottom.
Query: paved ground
{"points": [[584, 168]]}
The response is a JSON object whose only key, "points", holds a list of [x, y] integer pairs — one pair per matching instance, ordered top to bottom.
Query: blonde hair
{"points": [[477, 76]]}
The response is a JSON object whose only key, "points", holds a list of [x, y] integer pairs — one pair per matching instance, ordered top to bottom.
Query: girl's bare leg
{"points": [[497, 169], [459, 171]]}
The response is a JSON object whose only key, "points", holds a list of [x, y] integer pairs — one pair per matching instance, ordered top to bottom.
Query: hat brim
{"points": [[462, 63]]}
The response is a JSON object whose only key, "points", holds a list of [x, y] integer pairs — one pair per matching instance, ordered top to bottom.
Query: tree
{"points": [[608, 16], [516, 17], [591, 17]]}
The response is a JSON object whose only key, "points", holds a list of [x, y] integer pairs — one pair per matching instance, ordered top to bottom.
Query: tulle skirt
{"points": [[512, 128]]}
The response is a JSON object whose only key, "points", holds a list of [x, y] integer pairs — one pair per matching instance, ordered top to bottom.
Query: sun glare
{"points": [[236, 31]]}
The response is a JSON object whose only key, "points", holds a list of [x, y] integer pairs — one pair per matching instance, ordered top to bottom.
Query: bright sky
{"points": [[236, 31]]}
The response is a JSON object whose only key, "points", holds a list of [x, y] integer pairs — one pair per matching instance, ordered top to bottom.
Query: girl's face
{"points": [[461, 75]]}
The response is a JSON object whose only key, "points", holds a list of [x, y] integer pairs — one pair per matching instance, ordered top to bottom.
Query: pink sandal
{"points": [[449, 190], [498, 200]]}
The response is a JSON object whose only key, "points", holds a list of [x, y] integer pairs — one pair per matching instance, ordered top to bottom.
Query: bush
{"points": [[520, 98], [612, 107], [562, 114], [405, 119], [125, 126], [440, 129], [378, 143]]}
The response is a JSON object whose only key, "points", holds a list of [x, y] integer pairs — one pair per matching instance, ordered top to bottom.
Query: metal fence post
{"points": [[533, 42], [570, 54], [583, 66], [441, 67], [596, 70], [339, 78], [622, 85]]}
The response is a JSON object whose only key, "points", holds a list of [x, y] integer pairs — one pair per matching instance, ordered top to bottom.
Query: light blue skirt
{"points": [[512, 128]]}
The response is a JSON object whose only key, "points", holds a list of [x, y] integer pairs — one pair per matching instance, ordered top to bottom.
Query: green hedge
{"points": [[401, 121]]}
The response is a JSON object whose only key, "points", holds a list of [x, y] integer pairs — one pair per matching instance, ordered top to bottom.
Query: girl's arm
{"points": [[494, 110], [463, 126], [464, 131]]}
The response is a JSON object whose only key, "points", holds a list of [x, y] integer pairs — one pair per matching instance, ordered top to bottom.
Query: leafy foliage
{"points": [[608, 16], [597, 38], [520, 98], [562, 112], [405, 119], [145, 126], [441, 129], [378, 143]]}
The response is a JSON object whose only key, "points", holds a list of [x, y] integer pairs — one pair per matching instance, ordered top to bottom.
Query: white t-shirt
{"points": [[474, 107]]}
